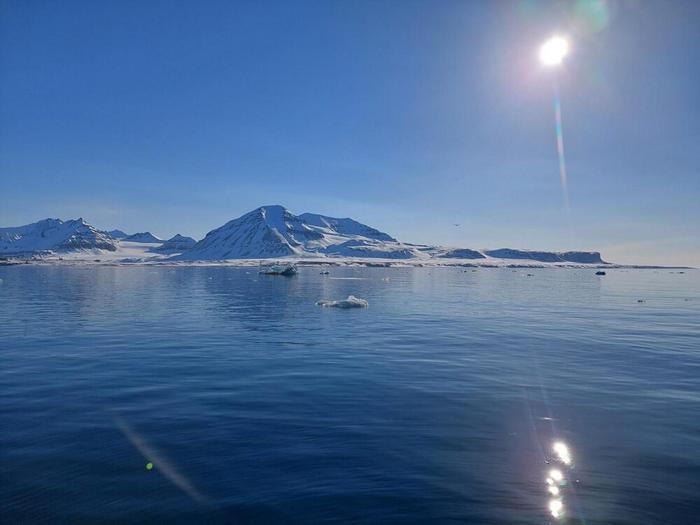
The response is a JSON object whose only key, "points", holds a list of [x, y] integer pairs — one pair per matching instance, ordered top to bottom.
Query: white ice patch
{"points": [[350, 302]]}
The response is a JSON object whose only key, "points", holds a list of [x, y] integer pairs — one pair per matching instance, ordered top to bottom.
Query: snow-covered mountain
{"points": [[268, 231], [273, 231], [264, 233], [117, 234], [54, 235], [142, 237], [176, 244]]}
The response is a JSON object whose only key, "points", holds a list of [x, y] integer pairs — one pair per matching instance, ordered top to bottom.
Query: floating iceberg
{"points": [[278, 269], [350, 302]]}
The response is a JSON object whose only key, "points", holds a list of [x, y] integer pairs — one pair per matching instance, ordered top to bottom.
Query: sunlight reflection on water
{"points": [[557, 478]]}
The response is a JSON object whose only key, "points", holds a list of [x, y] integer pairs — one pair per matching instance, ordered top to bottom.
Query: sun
{"points": [[554, 50]]}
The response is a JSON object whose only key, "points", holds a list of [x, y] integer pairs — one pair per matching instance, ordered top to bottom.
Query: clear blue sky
{"points": [[177, 116]]}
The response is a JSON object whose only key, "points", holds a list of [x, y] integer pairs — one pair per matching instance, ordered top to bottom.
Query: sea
{"points": [[157, 394]]}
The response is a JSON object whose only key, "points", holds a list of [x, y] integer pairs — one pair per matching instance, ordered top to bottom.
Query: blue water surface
{"points": [[437, 404]]}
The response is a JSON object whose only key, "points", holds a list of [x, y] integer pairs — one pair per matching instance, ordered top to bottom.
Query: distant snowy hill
{"points": [[117, 234], [54, 235], [142, 237], [176, 244], [461, 253], [577, 257]]}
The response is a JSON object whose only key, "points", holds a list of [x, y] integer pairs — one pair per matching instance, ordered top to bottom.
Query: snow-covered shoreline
{"points": [[141, 256]]}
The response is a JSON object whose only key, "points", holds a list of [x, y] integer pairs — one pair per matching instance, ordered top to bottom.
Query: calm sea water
{"points": [[437, 404]]}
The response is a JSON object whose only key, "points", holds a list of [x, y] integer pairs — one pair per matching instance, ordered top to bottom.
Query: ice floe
{"points": [[350, 302]]}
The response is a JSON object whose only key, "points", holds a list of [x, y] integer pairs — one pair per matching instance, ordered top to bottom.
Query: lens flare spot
{"points": [[594, 15]]}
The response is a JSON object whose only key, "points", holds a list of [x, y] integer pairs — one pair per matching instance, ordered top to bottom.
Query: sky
{"points": [[430, 120]]}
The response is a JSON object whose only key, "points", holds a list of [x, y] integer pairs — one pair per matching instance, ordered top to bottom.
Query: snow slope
{"points": [[54, 235]]}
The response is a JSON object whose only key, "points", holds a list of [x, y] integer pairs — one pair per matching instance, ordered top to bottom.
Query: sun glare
{"points": [[553, 51]]}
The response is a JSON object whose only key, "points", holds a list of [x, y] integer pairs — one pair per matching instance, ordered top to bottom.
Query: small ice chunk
{"points": [[350, 302]]}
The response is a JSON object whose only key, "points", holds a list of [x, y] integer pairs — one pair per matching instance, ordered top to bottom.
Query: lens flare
{"points": [[552, 54], [563, 177]]}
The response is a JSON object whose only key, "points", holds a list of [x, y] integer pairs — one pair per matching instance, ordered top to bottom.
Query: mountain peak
{"points": [[273, 208], [117, 234], [142, 237], [178, 237], [176, 244]]}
